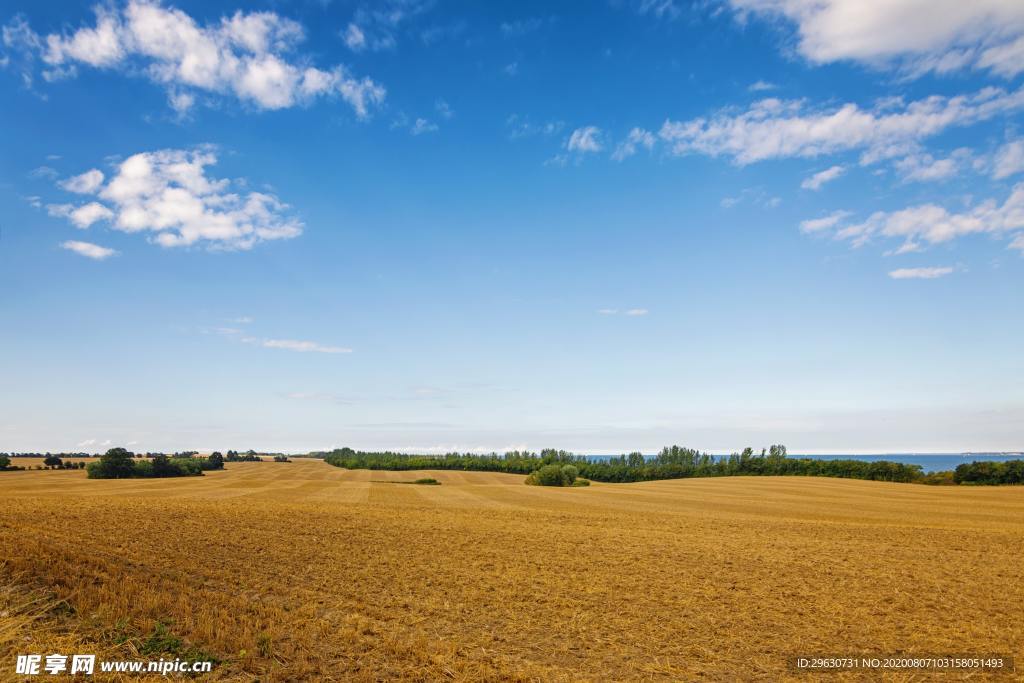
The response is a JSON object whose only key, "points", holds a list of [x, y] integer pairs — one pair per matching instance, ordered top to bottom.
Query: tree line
{"points": [[672, 462], [120, 463], [990, 473]]}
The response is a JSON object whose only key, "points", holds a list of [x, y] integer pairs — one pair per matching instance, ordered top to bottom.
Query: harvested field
{"points": [[303, 571]]}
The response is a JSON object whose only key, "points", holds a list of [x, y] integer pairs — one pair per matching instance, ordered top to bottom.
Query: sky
{"points": [[431, 226]]}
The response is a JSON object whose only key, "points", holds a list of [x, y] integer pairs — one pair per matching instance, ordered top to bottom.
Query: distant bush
{"points": [[235, 456], [281, 458], [53, 461], [215, 461], [5, 462], [119, 463], [548, 475], [554, 475], [938, 479], [427, 481], [581, 482]]}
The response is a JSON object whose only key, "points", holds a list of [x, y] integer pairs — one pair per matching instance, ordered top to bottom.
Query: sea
{"points": [[929, 462]]}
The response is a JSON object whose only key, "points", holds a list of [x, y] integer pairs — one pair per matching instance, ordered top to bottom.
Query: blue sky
{"points": [[480, 226]]}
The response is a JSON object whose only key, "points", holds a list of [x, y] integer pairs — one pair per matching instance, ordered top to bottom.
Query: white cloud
{"points": [[375, 25], [916, 36], [354, 38], [248, 56], [511, 69], [761, 86], [443, 109], [422, 126], [522, 127], [774, 129], [638, 137], [584, 140], [1009, 160], [925, 167], [44, 172], [820, 178], [86, 183], [168, 193], [754, 195], [82, 216], [824, 223], [934, 224], [88, 249], [919, 273], [607, 311], [637, 311], [241, 320], [296, 345]]}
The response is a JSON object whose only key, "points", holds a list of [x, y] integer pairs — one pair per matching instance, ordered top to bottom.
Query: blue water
{"points": [[929, 462]]}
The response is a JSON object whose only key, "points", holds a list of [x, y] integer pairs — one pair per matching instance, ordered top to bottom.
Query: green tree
{"points": [[52, 461], [216, 461], [117, 463]]}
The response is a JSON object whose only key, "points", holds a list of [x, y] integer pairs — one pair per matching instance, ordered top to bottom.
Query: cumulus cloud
{"points": [[916, 36], [354, 38], [249, 56], [761, 86], [774, 129], [638, 137], [585, 140], [1009, 160], [924, 167], [821, 177], [86, 183], [168, 194], [81, 216], [824, 223], [932, 224], [88, 249], [919, 273], [296, 345]]}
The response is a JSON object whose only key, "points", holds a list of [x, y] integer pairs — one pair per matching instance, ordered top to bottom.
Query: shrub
{"points": [[281, 458], [53, 461], [215, 461], [5, 462], [569, 474], [549, 475], [939, 479], [428, 481], [581, 482]]}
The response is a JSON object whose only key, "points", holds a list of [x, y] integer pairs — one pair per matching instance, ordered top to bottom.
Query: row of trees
{"points": [[673, 462], [120, 463], [990, 473]]}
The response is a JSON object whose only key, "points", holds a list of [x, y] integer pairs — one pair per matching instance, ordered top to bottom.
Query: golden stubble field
{"points": [[301, 571]]}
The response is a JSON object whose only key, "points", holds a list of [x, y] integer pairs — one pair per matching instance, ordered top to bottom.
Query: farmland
{"points": [[304, 571]]}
